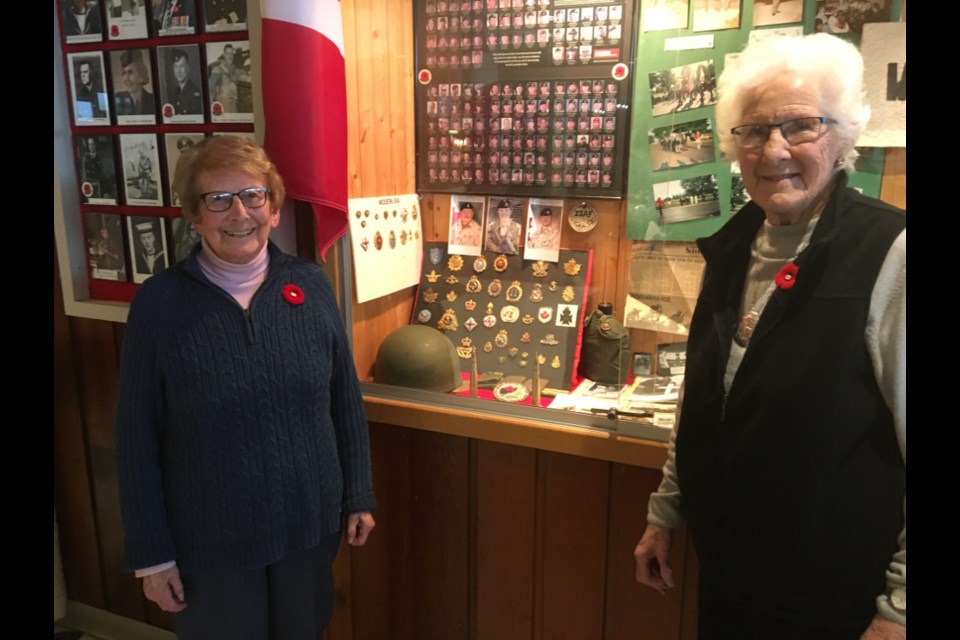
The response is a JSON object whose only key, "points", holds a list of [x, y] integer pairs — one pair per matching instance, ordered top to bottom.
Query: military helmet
{"points": [[417, 356]]}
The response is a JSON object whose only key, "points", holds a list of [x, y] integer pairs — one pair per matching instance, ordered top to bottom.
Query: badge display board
{"points": [[524, 97], [508, 309]]}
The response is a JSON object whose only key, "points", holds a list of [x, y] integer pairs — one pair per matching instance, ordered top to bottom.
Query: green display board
{"points": [[674, 152]]}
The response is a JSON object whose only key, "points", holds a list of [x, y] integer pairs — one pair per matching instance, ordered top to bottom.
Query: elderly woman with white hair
{"points": [[788, 461]]}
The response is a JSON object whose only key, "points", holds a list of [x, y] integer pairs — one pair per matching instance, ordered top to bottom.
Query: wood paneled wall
{"points": [[474, 539], [489, 541]]}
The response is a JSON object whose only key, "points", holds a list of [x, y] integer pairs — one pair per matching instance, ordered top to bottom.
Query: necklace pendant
{"points": [[746, 327]]}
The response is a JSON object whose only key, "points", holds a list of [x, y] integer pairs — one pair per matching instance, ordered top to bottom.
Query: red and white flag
{"points": [[305, 107]]}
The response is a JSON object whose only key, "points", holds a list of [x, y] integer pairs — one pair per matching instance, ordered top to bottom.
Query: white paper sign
{"points": [[884, 49], [387, 243]]}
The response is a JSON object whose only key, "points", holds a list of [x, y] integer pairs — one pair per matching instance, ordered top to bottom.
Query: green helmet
{"points": [[417, 356]]}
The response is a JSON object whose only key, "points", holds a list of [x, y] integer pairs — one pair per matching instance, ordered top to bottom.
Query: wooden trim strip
{"points": [[525, 433]]}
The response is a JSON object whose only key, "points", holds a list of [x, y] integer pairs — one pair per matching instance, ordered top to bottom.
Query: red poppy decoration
{"points": [[787, 276], [293, 294]]}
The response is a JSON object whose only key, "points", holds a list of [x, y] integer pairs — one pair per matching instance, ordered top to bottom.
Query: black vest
{"points": [[793, 485]]}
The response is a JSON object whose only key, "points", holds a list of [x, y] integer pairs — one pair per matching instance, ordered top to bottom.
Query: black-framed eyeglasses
{"points": [[796, 131], [251, 198]]}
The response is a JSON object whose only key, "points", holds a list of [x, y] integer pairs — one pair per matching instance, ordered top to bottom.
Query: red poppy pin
{"points": [[787, 276], [293, 294]]}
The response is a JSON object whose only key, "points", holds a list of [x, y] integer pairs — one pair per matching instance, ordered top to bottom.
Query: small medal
{"points": [[571, 267], [473, 285], [514, 292], [536, 295], [489, 320], [448, 321]]}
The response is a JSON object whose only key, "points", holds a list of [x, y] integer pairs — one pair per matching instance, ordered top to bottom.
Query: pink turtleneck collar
{"points": [[239, 280]]}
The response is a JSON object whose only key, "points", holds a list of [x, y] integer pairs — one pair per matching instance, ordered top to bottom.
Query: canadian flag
{"points": [[305, 107]]}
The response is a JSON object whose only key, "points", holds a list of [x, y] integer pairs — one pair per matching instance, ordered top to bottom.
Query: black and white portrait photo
{"points": [[225, 15], [174, 17], [126, 19], [82, 21], [228, 81], [181, 92], [133, 99], [90, 105], [174, 145], [96, 169], [141, 169], [185, 237], [148, 246], [106, 258]]}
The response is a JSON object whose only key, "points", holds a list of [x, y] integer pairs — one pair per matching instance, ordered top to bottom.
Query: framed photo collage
{"points": [[147, 80], [523, 97]]}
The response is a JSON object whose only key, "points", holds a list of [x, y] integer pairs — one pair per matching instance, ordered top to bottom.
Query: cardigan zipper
{"points": [[272, 271]]}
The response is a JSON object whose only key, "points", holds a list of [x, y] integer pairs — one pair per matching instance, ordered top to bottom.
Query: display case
{"points": [[511, 274]]}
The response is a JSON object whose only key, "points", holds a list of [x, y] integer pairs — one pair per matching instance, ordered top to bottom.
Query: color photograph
{"points": [[682, 88], [681, 145], [688, 199]]}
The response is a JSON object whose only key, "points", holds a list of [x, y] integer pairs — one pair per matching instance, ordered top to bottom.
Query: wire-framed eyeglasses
{"points": [[796, 131], [251, 198]]}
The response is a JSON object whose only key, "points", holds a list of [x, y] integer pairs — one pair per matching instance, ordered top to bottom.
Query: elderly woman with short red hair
{"points": [[242, 442]]}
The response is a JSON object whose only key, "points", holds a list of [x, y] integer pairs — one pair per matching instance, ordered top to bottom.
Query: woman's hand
{"points": [[359, 526], [651, 554], [166, 589]]}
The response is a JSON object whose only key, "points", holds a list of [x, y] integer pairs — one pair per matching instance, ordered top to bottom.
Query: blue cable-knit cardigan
{"points": [[241, 435]]}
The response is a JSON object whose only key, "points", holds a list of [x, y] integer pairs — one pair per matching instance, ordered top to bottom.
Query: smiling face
{"points": [[789, 182], [238, 234]]}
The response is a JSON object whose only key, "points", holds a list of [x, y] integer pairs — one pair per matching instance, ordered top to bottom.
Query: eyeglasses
{"points": [[798, 131], [251, 198]]}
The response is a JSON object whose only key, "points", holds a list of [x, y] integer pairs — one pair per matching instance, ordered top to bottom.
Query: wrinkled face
{"points": [[181, 68], [85, 73], [131, 78], [787, 181], [466, 216], [238, 234], [149, 242]]}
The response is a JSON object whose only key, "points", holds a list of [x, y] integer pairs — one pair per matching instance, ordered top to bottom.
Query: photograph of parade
{"points": [[770, 12], [714, 15], [849, 16], [682, 88], [681, 145], [688, 199]]}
